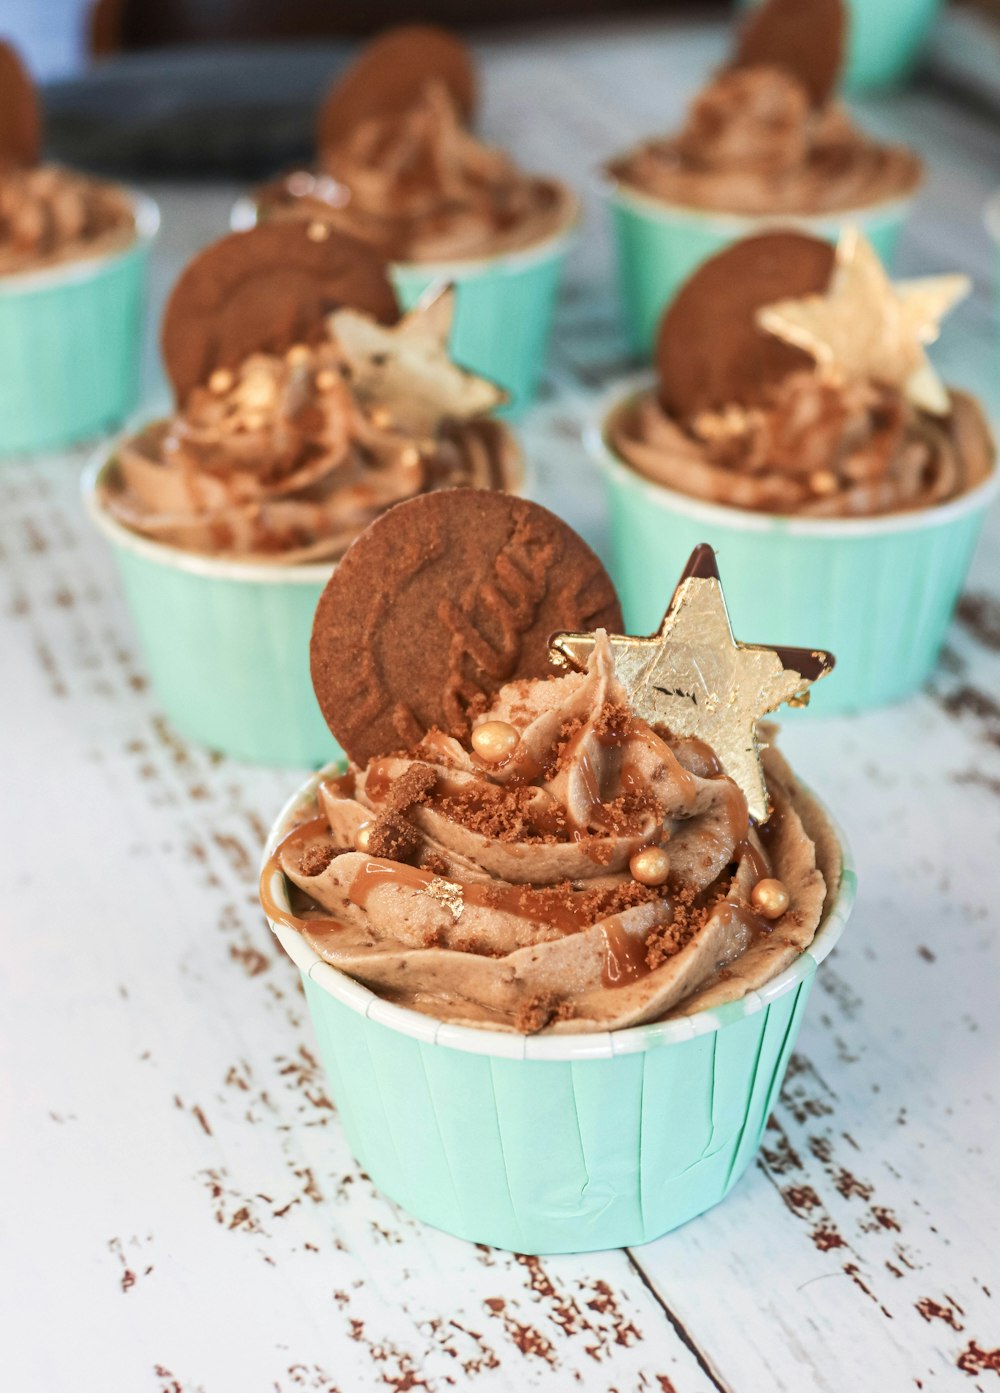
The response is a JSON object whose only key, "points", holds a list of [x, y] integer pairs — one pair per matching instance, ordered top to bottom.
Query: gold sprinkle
{"points": [[318, 232], [298, 353], [326, 380], [220, 381], [381, 417], [410, 457], [823, 481], [494, 741], [363, 836], [650, 866], [448, 893], [770, 898]]}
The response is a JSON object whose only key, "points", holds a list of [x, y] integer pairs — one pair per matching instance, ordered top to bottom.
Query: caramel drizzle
{"points": [[300, 834]]}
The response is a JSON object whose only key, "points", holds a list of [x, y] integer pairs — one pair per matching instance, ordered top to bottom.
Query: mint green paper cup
{"points": [[885, 39], [991, 217], [658, 245], [503, 309], [503, 312], [71, 344], [878, 593], [226, 643], [561, 1144]]}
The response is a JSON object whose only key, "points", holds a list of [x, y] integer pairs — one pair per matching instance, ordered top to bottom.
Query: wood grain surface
{"points": [[181, 1212]]}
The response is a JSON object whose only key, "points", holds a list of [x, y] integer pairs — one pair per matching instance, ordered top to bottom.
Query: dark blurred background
{"points": [[195, 88]]}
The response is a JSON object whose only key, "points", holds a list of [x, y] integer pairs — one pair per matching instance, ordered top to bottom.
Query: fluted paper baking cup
{"points": [[991, 217], [658, 245], [503, 312], [71, 344], [878, 592], [226, 643], [558, 1144]]}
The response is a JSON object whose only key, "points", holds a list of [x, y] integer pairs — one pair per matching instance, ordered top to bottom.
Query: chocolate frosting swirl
{"points": [[754, 145], [420, 187], [50, 215], [817, 448], [278, 461], [500, 894]]}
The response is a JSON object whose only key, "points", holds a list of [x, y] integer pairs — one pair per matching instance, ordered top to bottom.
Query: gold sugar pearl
{"points": [[318, 232], [298, 353], [326, 380], [220, 381], [381, 417], [253, 420], [410, 457], [823, 481], [494, 741], [363, 836], [650, 866], [770, 898]]}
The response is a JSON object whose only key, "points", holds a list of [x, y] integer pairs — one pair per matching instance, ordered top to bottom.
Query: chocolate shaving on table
{"points": [[806, 38], [390, 74], [20, 115], [263, 291], [711, 352], [439, 603]]}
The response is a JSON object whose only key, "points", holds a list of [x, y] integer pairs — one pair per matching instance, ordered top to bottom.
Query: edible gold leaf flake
{"points": [[865, 328], [405, 368], [693, 677], [448, 893]]}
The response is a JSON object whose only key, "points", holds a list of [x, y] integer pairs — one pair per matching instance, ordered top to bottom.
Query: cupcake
{"points": [[885, 40], [765, 143], [398, 167], [73, 257], [304, 409], [797, 423], [574, 901]]}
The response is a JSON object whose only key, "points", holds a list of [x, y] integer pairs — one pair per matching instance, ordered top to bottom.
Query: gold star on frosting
{"points": [[867, 327], [406, 369], [695, 679]]}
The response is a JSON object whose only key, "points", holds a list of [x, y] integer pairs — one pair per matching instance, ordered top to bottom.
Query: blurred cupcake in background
{"points": [[885, 40], [764, 143], [398, 167], [73, 257], [305, 407], [797, 425]]}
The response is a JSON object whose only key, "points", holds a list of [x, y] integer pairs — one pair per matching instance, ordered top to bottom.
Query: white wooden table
{"points": [[180, 1211]]}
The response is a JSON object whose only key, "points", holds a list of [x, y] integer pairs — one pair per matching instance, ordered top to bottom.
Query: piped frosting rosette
{"points": [[398, 166], [794, 379], [305, 405], [817, 448], [278, 460], [500, 893]]}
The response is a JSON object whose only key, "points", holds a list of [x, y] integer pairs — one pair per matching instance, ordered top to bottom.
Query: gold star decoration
{"points": [[867, 327], [406, 369], [694, 678]]}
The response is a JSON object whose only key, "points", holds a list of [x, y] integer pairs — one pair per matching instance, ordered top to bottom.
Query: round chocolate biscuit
{"points": [[803, 37], [389, 75], [20, 117], [263, 290], [710, 351], [437, 604]]}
